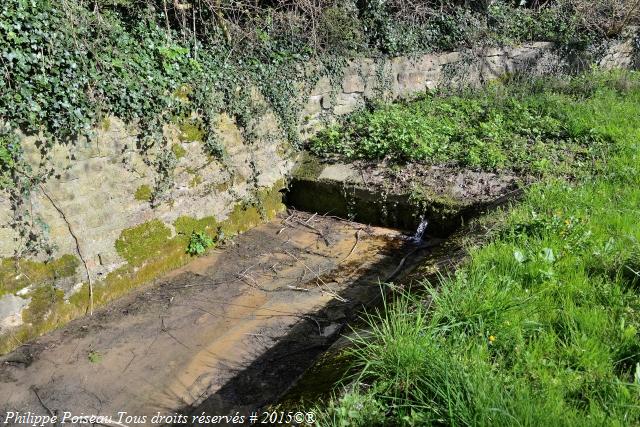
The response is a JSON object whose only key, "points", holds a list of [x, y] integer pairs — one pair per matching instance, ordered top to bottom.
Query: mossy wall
{"points": [[151, 250], [18, 274]]}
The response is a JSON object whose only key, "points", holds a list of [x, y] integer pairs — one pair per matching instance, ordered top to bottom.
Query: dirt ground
{"points": [[448, 181], [226, 334]]}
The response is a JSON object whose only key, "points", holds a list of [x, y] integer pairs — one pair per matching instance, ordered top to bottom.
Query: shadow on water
{"points": [[273, 375], [267, 378]]}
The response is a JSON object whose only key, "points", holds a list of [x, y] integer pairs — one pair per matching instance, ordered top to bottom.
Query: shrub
{"points": [[605, 17], [340, 30]]}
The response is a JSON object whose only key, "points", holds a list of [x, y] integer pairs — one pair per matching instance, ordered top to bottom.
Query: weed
{"points": [[493, 129], [144, 193], [199, 242], [94, 356]]}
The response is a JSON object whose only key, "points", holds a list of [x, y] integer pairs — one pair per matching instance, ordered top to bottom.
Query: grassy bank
{"points": [[540, 326]]}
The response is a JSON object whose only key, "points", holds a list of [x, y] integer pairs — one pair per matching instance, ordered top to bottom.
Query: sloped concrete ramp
{"points": [[226, 334]]}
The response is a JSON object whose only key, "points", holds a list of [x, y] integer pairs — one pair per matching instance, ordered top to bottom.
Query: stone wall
{"points": [[405, 77], [102, 189]]}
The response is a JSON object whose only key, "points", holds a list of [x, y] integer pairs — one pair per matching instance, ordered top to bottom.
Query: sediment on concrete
{"points": [[373, 193], [263, 307]]}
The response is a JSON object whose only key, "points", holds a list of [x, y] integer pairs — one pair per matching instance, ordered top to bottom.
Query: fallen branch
{"points": [[326, 241], [354, 245], [318, 279], [295, 288], [166, 331], [35, 391]]}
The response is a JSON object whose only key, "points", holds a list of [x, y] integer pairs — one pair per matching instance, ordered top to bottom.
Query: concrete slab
{"points": [[227, 333]]}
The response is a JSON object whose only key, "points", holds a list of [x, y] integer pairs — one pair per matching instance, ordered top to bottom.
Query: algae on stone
{"points": [[183, 92], [105, 124], [191, 130], [178, 150], [308, 167], [195, 181], [144, 193], [271, 199], [425, 199], [268, 202], [185, 225], [147, 240], [15, 275], [44, 300]]}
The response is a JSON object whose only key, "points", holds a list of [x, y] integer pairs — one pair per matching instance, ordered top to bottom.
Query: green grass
{"points": [[514, 126], [540, 325]]}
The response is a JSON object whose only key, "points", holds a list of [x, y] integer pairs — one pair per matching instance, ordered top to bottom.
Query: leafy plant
{"points": [[494, 129], [8, 152], [199, 242], [94, 356]]}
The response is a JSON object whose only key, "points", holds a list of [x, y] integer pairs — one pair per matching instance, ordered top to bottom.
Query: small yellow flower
{"points": [[491, 339]]}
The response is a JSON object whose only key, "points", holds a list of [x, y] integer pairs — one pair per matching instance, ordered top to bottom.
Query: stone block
{"points": [[449, 58], [411, 82], [353, 83], [322, 87], [326, 101], [347, 103], [313, 106]]}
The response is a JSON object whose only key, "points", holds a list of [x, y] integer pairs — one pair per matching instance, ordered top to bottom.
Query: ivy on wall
{"points": [[64, 65]]}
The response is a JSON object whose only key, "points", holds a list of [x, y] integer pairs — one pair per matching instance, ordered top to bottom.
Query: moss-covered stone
{"points": [[183, 92], [105, 124], [191, 130], [178, 151], [308, 167], [196, 180], [219, 187], [144, 193], [271, 199], [426, 200], [371, 204], [247, 215], [242, 218], [186, 225], [148, 240], [15, 275], [128, 277], [44, 301], [46, 311]]}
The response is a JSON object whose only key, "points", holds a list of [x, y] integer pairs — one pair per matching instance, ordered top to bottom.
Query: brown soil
{"points": [[446, 181]]}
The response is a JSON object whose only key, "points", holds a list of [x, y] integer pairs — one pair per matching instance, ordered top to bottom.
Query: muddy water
{"points": [[229, 333], [334, 370]]}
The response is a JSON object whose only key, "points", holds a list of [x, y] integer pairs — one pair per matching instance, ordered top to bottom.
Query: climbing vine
{"points": [[65, 65], [17, 182]]}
